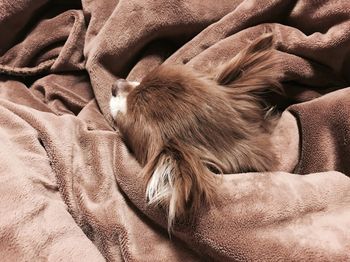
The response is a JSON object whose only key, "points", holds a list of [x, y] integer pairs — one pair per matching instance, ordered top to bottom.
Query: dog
{"points": [[184, 126]]}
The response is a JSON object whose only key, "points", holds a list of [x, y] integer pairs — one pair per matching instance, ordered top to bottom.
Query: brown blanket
{"points": [[71, 191]]}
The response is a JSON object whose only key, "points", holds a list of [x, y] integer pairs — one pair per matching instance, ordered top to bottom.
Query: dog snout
{"points": [[118, 85], [123, 85], [114, 89]]}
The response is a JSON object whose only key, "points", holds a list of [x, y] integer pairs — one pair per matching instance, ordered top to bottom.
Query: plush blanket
{"points": [[71, 191]]}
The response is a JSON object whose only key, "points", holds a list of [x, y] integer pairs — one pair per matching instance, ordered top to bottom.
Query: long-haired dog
{"points": [[183, 126]]}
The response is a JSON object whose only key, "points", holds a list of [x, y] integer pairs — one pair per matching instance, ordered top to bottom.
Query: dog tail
{"points": [[254, 69], [179, 181]]}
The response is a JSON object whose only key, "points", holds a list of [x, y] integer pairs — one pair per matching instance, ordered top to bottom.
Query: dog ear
{"points": [[254, 69], [178, 180]]}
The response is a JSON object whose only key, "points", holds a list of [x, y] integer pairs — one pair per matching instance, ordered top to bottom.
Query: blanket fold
{"points": [[41, 50], [325, 145], [70, 189]]}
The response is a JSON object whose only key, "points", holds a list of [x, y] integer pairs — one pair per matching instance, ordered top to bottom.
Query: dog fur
{"points": [[183, 126]]}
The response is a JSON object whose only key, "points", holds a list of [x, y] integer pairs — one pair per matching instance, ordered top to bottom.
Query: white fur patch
{"points": [[134, 83], [117, 104], [159, 187]]}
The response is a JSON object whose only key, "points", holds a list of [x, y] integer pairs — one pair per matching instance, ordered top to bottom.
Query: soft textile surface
{"points": [[71, 191]]}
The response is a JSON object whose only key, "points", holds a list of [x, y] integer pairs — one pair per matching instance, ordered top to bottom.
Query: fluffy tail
{"points": [[254, 69], [253, 72], [178, 180]]}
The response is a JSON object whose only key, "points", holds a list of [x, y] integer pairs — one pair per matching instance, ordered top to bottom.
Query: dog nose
{"points": [[120, 84], [114, 89]]}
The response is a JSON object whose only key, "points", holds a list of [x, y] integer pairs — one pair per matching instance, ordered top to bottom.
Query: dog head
{"points": [[182, 126]]}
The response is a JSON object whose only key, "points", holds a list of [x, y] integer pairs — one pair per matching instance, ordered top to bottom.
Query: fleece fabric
{"points": [[71, 191]]}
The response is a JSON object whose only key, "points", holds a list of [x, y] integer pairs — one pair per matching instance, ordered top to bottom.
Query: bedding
{"points": [[71, 191]]}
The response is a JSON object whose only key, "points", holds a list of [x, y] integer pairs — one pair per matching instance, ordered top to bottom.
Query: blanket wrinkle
{"points": [[259, 13], [14, 16], [41, 50], [331, 139], [71, 190], [39, 213]]}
